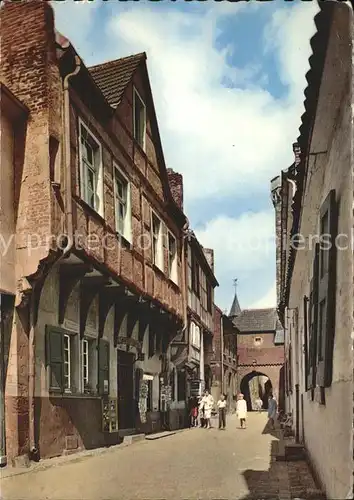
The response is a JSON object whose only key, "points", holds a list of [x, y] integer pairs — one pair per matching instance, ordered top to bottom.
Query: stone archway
{"points": [[271, 372], [256, 384]]}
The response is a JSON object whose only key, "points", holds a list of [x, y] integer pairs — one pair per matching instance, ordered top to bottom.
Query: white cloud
{"points": [[226, 142], [245, 242], [243, 248]]}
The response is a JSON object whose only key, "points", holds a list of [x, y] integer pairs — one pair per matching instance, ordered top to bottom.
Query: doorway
{"points": [[125, 371]]}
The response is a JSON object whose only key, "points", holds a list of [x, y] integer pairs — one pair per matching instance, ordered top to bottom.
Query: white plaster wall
{"points": [[328, 429]]}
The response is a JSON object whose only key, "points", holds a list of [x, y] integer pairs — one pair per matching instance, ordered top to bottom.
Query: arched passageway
{"points": [[254, 385]]}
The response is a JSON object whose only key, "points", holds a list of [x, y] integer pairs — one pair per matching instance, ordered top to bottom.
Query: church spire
{"points": [[235, 308]]}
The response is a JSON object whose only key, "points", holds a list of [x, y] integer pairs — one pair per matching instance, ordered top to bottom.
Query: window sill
{"points": [[140, 147], [93, 212], [124, 241], [158, 270], [174, 284], [68, 395]]}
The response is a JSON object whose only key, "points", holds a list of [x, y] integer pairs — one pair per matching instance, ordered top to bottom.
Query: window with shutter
{"points": [[326, 291], [313, 320], [55, 359], [103, 367]]}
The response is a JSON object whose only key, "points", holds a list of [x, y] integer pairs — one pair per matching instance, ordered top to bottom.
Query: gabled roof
{"points": [[113, 77], [193, 240], [235, 308], [257, 320]]}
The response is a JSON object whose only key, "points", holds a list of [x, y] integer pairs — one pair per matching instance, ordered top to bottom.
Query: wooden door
{"points": [[126, 414]]}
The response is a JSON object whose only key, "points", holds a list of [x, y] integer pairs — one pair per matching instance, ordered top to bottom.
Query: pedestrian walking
{"points": [[208, 402], [221, 404], [259, 404], [272, 410], [201, 411], [241, 411], [194, 414]]}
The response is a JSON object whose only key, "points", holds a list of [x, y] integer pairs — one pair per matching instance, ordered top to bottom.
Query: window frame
{"points": [[137, 94], [99, 194], [127, 223], [158, 256], [172, 261], [326, 293], [209, 297], [67, 376], [85, 380]]}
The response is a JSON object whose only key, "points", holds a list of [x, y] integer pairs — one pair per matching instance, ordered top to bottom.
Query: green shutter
{"points": [[326, 296], [55, 358], [103, 366]]}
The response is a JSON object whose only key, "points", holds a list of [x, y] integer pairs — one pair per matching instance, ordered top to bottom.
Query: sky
{"points": [[227, 81]]}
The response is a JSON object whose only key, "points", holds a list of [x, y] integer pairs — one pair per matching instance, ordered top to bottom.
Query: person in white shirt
{"points": [[208, 402], [221, 404], [241, 411]]}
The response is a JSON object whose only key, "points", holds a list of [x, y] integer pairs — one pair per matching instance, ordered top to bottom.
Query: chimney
{"points": [[175, 181], [209, 255]]}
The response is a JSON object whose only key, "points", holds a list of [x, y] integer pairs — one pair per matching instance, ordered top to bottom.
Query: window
{"points": [[139, 119], [91, 184], [122, 204], [157, 249], [172, 258], [195, 276], [326, 291], [209, 297], [61, 353], [67, 363], [103, 366], [88, 368], [181, 386]]}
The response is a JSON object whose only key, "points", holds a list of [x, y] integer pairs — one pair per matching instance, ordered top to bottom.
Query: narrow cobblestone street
{"points": [[197, 463]]}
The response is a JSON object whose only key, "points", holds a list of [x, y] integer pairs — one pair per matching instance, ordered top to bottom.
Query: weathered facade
{"points": [[314, 207], [98, 258], [191, 350], [260, 353], [223, 359]]}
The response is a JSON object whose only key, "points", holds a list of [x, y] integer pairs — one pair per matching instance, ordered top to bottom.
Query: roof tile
{"points": [[112, 77], [256, 320]]}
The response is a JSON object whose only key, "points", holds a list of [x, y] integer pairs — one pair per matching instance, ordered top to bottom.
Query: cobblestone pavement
{"points": [[193, 464]]}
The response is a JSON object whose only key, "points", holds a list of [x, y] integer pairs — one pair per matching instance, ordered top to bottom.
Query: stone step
{"points": [[133, 438], [295, 451]]}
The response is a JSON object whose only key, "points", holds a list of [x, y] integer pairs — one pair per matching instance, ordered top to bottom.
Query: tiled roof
{"points": [[112, 77], [256, 320], [279, 337]]}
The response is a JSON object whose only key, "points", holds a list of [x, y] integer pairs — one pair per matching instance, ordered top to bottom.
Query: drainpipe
{"points": [[67, 157], [222, 352], [34, 452], [3, 458]]}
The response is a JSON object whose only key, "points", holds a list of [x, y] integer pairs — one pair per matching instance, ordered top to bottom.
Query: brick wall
{"points": [[28, 69], [176, 185]]}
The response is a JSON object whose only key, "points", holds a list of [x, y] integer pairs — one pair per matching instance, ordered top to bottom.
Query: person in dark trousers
{"points": [[221, 404]]}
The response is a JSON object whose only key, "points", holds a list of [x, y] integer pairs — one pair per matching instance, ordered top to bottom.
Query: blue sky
{"points": [[227, 80]]}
